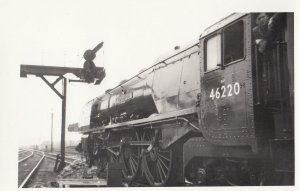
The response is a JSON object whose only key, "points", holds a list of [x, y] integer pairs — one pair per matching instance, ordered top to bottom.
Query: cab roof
{"points": [[221, 23]]}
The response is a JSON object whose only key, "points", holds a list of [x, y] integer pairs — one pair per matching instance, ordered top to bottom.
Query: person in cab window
{"points": [[267, 30], [260, 31]]}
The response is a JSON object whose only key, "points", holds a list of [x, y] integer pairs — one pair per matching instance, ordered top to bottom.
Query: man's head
{"points": [[262, 19]]}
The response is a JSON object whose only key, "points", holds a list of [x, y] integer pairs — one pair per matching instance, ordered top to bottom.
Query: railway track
{"points": [[22, 151], [69, 153], [23, 155], [68, 159], [27, 167], [36, 169], [42, 174]]}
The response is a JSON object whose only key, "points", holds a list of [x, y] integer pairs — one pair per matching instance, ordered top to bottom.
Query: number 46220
{"points": [[225, 91]]}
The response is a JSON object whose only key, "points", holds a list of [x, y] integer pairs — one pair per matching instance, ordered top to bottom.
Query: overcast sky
{"points": [[56, 33]]}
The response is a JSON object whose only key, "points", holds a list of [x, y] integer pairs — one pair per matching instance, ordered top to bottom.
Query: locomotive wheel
{"points": [[113, 154], [130, 159], [157, 164]]}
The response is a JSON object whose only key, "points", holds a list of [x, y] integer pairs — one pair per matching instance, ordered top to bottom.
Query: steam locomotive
{"points": [[215, 112]]}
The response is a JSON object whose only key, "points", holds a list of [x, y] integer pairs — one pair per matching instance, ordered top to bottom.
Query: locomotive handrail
{"points": [[278, 68], [257, 75]]}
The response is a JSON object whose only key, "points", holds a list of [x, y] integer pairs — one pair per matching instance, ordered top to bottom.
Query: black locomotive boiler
{"points": [[219, 111]]}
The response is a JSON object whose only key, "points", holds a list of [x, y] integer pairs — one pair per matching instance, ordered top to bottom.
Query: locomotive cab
{"points": [[238, 82], [226, 83], [246, 105]]}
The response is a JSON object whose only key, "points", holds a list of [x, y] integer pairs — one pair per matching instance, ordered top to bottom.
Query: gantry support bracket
{"points": [[52, 85]]}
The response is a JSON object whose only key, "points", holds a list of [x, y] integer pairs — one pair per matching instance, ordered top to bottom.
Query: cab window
{"points": [[233, 43], [225, 47], [213, 52]]}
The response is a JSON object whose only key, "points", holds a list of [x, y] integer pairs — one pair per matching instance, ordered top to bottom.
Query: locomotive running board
{"points": [[145, 121]]}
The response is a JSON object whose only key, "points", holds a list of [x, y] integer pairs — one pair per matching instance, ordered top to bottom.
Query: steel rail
{"points": [[22, 151], [26, 157], [67, 157], [54, 158], [33, 170]]}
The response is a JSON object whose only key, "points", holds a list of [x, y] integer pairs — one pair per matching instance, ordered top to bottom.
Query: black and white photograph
{"points": [[169, 94]]}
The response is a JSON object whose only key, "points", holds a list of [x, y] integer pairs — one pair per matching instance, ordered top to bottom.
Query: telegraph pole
{"points": [[63, 123], [51, 131]]}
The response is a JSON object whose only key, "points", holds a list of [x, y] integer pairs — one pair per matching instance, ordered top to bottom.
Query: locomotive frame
{"points": [[222, 118]]}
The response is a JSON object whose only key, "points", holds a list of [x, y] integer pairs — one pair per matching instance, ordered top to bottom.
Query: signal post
{"points": [[88, 74]]}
